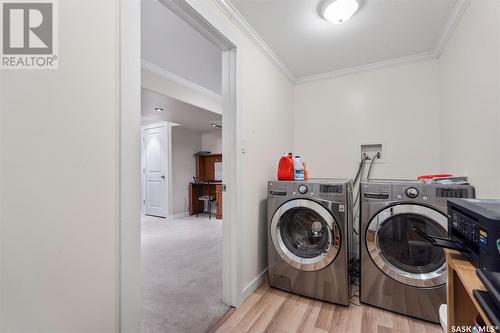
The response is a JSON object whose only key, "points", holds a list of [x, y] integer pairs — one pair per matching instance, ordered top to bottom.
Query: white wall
{"points": [[172, 44], [469, 72], [156, 82], [265, 99], [264, 102], [2, 106], [396, 106], [435, 116], [212, 141], [185, 143], [59, 161], [130, 168], [60, 172], [59, 232]]}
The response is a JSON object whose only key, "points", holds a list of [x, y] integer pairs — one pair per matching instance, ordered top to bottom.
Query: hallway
{"points": [[181, 270]]}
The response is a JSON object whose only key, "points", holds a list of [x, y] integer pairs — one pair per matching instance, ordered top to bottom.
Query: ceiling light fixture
{"points": [[339, 11], [158, 109], [216, 125]]}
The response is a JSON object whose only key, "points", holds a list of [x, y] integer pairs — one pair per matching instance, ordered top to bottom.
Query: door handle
{"points": [[162, 176], [376, 195]]}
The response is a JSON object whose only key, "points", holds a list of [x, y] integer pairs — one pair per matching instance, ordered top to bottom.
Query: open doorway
{"points": [[181, 232], [184, 242]]}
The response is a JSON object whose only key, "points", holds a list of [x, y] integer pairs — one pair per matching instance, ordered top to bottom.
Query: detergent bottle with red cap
{"points": [[285, 167]]}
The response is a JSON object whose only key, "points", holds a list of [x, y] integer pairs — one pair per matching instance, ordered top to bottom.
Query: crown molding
{"points": [[186, 12], [234, 15], [452, 23], [377, 65], [177, 79]]}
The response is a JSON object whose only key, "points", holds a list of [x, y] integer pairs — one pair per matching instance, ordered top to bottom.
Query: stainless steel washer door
{"points": [[305, 234], [403, 254]]}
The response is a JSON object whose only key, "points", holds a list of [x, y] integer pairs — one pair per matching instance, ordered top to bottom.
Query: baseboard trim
{"points": [[250, 288], [221, 320]]}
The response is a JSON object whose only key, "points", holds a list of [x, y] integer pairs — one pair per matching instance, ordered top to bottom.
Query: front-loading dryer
{"points": [[308, 238], [401, 271]]}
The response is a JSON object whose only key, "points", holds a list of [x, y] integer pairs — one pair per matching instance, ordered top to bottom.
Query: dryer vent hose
{"points": [[377, 156], [361, 167], [356, 192]]}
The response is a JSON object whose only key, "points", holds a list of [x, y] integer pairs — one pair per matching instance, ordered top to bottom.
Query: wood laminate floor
{"points": [[272, 310]]}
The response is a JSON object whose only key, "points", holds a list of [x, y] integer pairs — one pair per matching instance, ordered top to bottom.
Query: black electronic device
{"points": [[475, 224], [474, 230], [491, 281], [484, 299]]}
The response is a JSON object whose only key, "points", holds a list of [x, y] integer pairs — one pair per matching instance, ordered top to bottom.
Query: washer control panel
{"points": [[302, 189], [326, 190], [329, 191], [411, 192]]}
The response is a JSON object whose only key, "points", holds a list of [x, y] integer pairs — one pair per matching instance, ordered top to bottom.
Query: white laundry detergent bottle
{"points": [[298, 168]]}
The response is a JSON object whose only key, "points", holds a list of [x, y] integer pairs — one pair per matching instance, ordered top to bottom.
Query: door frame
{"points": [[168, 137], [129, 160]]}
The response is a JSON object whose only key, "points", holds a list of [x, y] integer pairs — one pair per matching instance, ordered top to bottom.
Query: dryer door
{"points": [[305, 234], [402, 253]]}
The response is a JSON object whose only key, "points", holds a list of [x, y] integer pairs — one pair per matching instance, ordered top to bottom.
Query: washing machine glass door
{"points": [[305, 234], [402, 253]]}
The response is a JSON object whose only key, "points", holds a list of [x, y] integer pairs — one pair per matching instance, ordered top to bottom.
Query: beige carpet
{"points": [[181, 274]]}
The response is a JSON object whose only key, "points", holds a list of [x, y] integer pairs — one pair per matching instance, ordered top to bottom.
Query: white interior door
{"points": [[155, 170]]}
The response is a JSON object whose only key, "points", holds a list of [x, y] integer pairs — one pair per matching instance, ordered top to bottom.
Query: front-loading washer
{"points": [[308, 238], [401, 271]]}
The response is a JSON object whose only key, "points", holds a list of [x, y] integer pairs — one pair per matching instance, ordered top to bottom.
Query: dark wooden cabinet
{"points": [[205, 165], [205, 169], [218, 197], [196, 206]]}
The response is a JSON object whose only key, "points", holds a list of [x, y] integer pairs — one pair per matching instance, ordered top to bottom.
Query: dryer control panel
{"points": [[415, 191], [431, 192]]}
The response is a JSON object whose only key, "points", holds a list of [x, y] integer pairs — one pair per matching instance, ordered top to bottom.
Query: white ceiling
{"points": [[382, 30], [171, 44], [175, 111]]}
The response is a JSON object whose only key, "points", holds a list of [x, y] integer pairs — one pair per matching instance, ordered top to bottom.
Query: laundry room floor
{"points": [[181, 274], [272, 310]]}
